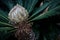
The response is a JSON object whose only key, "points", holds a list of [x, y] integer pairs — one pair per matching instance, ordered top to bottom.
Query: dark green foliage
{"points": [[19, 2], [8, 3], [29, 4], [54, 4], [41, 8], [53, 12], [3, 15], [3, 18], [44, 29], [5, 32]]}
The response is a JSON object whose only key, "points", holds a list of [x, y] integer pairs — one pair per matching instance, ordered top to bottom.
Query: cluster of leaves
{"points": [[46, 30]]}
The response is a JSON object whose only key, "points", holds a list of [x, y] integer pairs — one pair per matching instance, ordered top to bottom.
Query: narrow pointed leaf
{"points": [[20, 2], [9, 3], [29, 4], [54, 4], [40, 9], [48, 13], [3, 15], [5, 24], [6, 28], [5, 32]]}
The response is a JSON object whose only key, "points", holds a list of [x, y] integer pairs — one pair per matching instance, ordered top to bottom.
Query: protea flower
{"points": [[18, 14], [21, 18]]}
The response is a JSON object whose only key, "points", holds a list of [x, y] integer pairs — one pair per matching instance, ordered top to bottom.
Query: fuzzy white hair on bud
{"points": [[18, 14]]}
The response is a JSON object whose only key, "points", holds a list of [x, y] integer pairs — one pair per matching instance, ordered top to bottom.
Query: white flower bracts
{"points": [[18, 14]]}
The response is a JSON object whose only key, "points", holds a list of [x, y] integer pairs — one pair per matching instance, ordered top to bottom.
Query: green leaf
{"points": [[20, 2], [8, 3], [29, 4], [54, 4], [40, 9], [51, 12], [3, 15], [5, 24], [5, 29], [5, 32]]}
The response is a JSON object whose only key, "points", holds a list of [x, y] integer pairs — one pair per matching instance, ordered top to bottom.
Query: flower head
{"points": [[18, 14]]}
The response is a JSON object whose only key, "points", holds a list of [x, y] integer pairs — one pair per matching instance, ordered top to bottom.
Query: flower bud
{"points": [[18, 14]]}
